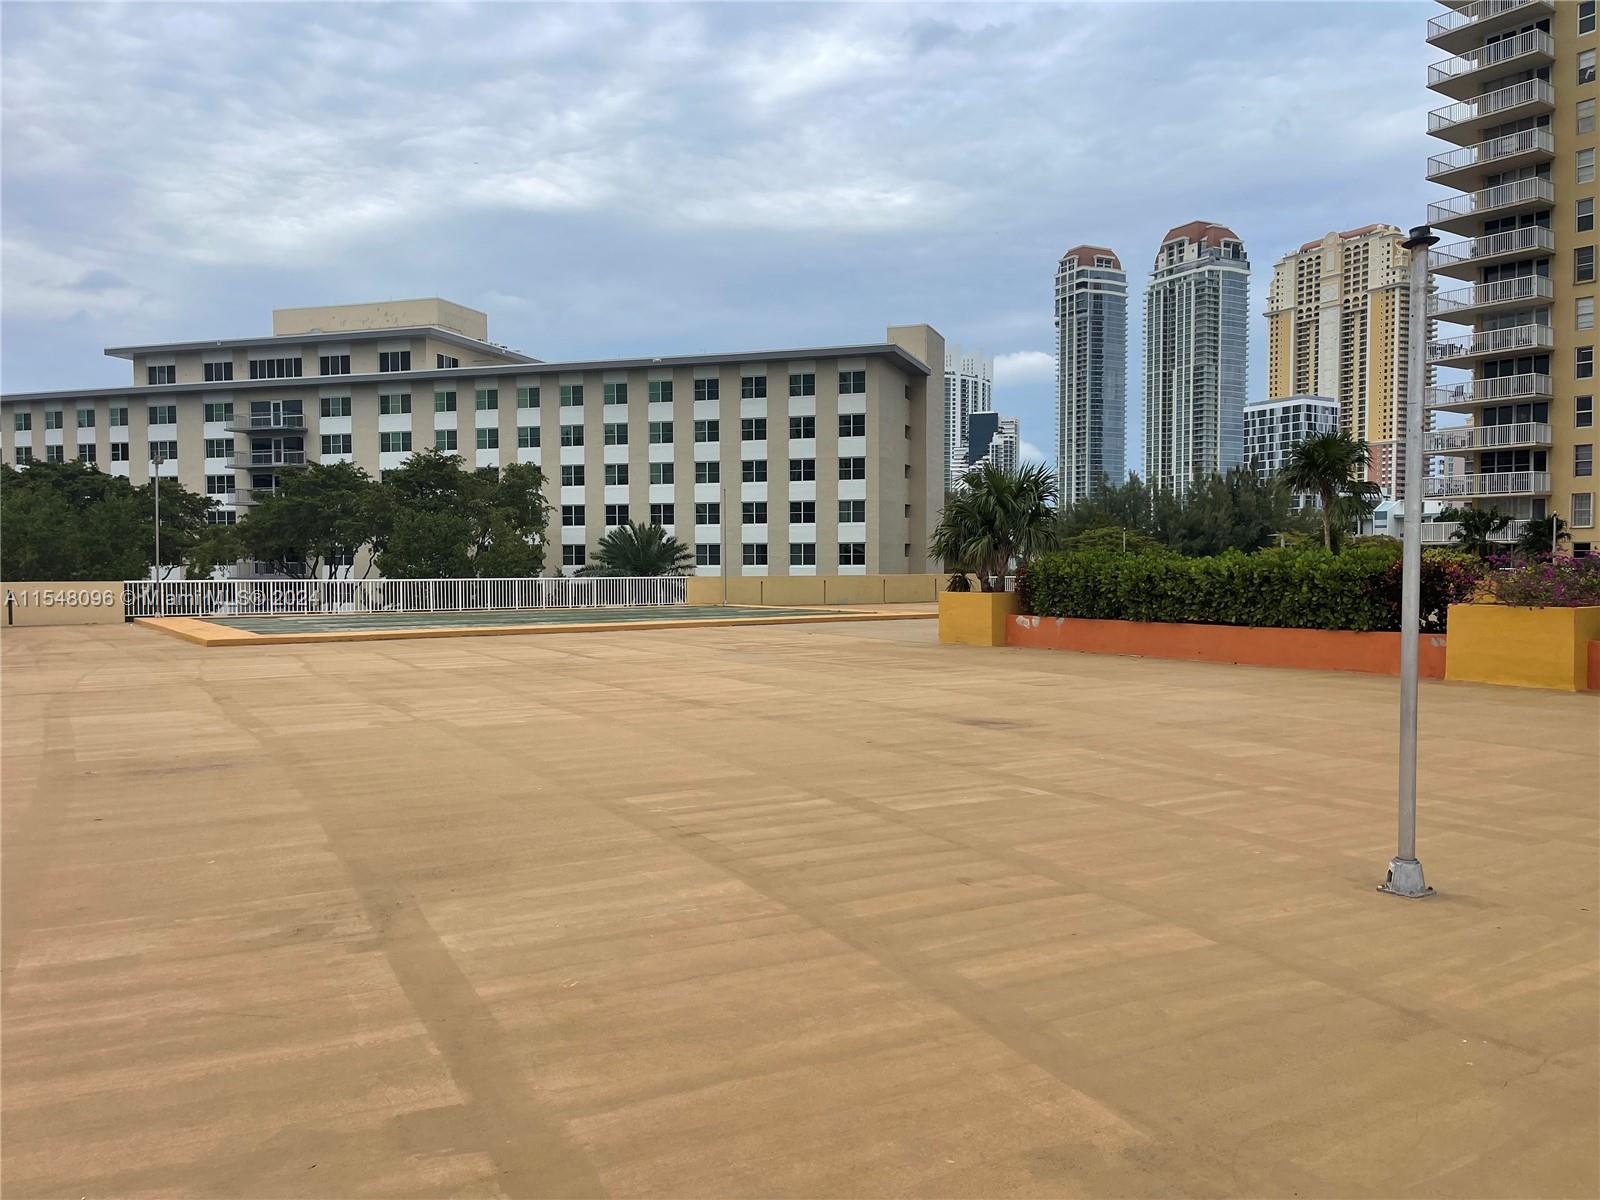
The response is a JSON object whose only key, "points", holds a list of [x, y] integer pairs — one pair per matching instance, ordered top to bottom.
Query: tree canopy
{"points": [[1331, 467], [1235, 511], [996, 515], [429, 519]]}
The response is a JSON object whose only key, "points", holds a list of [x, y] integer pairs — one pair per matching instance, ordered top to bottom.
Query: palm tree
{"points": [[1330, 466], [993, 516], [1475, 528], [1540, 535], [639, 550]]}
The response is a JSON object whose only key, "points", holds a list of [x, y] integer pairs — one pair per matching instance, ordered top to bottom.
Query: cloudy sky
{"points": [[661, 178]]}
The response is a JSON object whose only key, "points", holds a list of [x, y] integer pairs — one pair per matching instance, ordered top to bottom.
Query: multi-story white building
{"points": [[1520, 134], [1197, 312], [1091, 371], [968, 389], [1272, 428], [819, 460]]}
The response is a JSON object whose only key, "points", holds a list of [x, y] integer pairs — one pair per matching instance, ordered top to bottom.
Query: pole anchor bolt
{"points": [[1405, 879]]}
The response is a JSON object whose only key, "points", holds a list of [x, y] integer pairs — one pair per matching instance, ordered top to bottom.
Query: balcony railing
{"points": [[1464, 22], [1493, 55], [1530, 91], [1524, 142], [1502, 195], [1530, 239], [1523, 289], [1491, 341], [1489, 391], [258, 421], [1469, 438], [261, 460], [1499, 483], [1442, 533]]}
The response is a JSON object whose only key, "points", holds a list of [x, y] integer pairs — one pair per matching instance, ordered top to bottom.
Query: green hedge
{"points": [[1301, 588]]}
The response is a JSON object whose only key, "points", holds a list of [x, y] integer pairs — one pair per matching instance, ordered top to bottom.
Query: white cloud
{"points": [[1024, 366], [1032, 454]]}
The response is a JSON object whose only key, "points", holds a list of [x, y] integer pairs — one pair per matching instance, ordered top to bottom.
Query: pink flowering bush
{"points": [[1548, 583]]}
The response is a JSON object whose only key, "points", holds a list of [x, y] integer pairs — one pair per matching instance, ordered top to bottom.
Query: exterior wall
{"points": [[1091, 312], [382, 315], [1273, 427], [925, 488], [800, 590], [32, 602]]}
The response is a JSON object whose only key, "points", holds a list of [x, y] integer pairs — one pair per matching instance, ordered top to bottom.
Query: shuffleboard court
{"points": [[339, 622]]}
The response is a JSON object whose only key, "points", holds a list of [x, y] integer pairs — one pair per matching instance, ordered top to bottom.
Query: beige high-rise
{"points": [[1519, 283], [1338, 326]]}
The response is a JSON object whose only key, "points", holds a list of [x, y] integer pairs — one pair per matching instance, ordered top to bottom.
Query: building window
{"points": [[1585, 16], [1585, 66], [1585, 116], [1585, 164], [1584, 219], [1583, 264], [1585, 312], [394, 360], [446, 362], [328, 364], [1583, 364], [274, 368], [220, 372], [160, 375], [852, 383], [803, 384], [753, 387], [707, 389], [660, 391], [615, 393], [571, 395], [528, 397], [486, 399], [444, 402], [393, 403], [336, 406], [1583, 411], [218, 412], [160, 414], [86, 417], [117, 417], [53, 418], [24, 421], [852, 424], [801, 428], [753, 429], [707, 431], [660, 433], [615, 434], [572, 435], [527, 437], [445, 439], [488, 439], [396, 441], [335, 443], [219, 447], [119, 451], [166, 452], [55, 453], [87, 454], [24, 455], [1583, 459], [852, 468], [802, 469], [753, 470], [661, 472], [708, 472], [616, 474], [572, 475], [219, 485], [1583, 509], [754, 512], [802, 512], [852, 512], [708, 513], [616, 514], [661, 514], [572, 515], [707, 554], [755, 554], [802, 554], [852, 554], [573, 556]]}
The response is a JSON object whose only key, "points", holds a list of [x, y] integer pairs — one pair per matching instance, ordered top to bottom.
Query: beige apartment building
{"points": [[1518, 283], [1338, 326], [821, 460]]}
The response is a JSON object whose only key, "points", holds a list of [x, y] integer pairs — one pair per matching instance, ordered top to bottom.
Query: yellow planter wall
{"points": [[799, 591], [975, 618], [1521, 647]]}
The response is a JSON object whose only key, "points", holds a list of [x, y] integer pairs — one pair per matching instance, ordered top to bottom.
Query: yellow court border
{"points": [[205, 633]]}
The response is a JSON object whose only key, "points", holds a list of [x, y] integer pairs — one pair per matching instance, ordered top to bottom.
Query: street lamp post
{"points": [[161, 592], [1405, 871]]}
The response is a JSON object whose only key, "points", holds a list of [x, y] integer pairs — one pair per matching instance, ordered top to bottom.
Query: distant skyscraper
{"points": [[1197, 311], [1339, 325], [1091, 370], [968, 389], [1274, 427], [991, 438]]}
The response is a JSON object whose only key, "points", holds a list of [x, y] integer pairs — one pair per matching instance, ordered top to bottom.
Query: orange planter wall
{"points": [[1314, 649]]}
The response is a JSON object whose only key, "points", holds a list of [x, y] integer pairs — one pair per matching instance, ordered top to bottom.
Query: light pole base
{"points": [[1405, 879]]}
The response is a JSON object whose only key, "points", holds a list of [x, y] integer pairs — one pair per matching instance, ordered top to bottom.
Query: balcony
{"points": [[1460, 30], [1462, 77], [1463, 123], [1464, 167], [1464, 213], [1462, 260], [1464, 305], [1469, 348], [1464, 397], [262, 422], [1469, 439], [268, 461], [1500, 483], [253, 495], [1442, 533]]}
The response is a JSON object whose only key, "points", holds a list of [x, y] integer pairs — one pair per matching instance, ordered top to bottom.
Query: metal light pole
{"points": [[161, 592], [1405, 872]]}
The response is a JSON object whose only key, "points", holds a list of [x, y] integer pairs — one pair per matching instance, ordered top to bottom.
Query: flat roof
{"points": [[269, 340], [903, 358]]}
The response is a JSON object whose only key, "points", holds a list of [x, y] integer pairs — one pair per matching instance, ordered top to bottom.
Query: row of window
{"points": [[752, 512], [754, 554]]}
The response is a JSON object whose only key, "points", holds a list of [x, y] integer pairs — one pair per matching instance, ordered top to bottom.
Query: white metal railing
{"points": [[1471, 14], [1527, 42], [1529, 91], [1521, 142], [1502, 195], [1528, 239], [1519, 289], [1492, 341], [1482, 391], [286, 420], [1466, 438], [268, 459], [1497, 483], [1443, 533], [230, 597]]}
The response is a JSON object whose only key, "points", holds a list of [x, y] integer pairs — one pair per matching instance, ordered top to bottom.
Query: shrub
{"points": [[1549, 583], [1283, 588]]}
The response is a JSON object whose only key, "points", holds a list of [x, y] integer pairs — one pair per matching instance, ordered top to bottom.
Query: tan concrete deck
{"points": [[805, 910]]}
